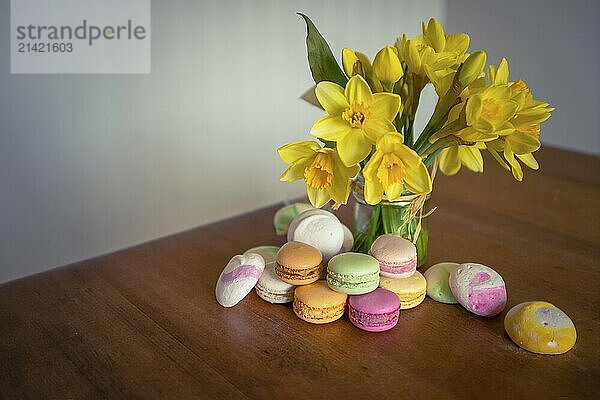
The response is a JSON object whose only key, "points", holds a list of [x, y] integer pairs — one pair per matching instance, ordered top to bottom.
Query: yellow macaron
{"points": [[411, 290]]}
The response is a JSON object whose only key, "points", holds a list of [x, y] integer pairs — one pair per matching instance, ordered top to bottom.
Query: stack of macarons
{"points": [[397, 258], [316, 271], [356, 275], [352, 279], [269, 287]]}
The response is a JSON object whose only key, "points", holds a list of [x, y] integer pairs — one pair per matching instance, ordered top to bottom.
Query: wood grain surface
{"points": [[144, 323]]}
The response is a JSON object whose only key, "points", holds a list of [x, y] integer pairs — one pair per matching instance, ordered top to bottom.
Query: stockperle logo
{"points": [[80, 36]]}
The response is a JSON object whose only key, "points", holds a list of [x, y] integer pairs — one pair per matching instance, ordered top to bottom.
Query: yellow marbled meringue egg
{"points": [[540, 327]]}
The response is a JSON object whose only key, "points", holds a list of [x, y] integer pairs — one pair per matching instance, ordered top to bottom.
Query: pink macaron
{"points": [[397, 256], [478, 288], [376, 311]]}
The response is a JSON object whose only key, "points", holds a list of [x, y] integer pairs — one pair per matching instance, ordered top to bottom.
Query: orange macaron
{"points": [[298, 263], [318, 304]]}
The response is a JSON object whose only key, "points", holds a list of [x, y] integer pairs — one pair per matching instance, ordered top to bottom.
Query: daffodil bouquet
{"points": [[366, 140]]}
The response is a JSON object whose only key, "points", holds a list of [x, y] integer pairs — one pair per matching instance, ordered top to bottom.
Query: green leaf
{"points": [[322, 64]]}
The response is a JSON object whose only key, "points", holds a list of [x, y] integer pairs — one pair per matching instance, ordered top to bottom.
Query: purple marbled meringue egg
{"points": [[238, 278], [479, 289]]}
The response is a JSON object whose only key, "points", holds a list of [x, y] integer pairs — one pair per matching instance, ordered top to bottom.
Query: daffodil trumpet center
{"points": [[421, 46], [490, 110], [356, 114], [391, 170], [319, 174]]}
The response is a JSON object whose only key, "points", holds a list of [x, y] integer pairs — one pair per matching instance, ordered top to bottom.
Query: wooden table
{"points": [[144, 323]]}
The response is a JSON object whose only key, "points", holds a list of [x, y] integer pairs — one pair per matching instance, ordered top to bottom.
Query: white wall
{"points": [[553, 46], [91, 164]]}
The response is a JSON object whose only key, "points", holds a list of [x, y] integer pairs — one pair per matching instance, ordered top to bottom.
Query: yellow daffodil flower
{"points": [[436, 38], [433, 53], [422, 59], [356, 63], [387, 65], [530, 112], [488, 114], [500, 116], [357, 117], [524, 139], [519, 145], [502, 147], [452, 158], [392, 168], [325, 175]]}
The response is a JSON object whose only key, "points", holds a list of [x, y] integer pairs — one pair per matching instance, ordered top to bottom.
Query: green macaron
{"points": [[353, 273]]}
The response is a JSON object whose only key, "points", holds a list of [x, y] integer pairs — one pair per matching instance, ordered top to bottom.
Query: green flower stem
{"points": [[416, 84], [440, 114], [401, 121], [408, 133], [422, 140], [442, 143], [423, 144], [438, 144], [432, 150], [430, 158], [391, 218], [363, 240]]}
